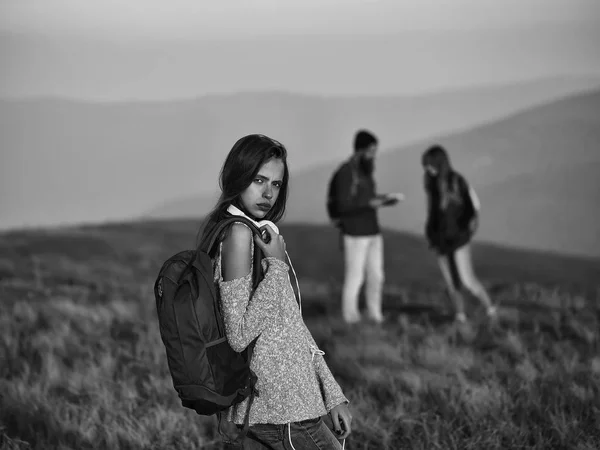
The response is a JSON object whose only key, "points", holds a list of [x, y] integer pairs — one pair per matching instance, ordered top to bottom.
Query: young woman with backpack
{"points": [[452, 220], [294, 387]]}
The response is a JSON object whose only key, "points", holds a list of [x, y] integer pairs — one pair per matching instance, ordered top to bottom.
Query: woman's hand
{"points": [[276, 246], [341, 418]]}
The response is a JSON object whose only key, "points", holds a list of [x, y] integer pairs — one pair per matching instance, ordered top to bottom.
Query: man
{"points": [[356, 203]]}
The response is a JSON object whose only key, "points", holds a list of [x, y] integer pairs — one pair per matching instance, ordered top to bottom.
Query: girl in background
{"points": [[452, 219], [294, 384]]}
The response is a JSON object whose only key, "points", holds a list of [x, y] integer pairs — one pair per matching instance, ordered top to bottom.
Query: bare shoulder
{"points": [[238, 232], [237, 240], [236, 252]]}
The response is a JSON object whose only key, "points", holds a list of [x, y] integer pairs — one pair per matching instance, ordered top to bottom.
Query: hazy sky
{"points": [[125, 19], [151, 49], [120, 50]]}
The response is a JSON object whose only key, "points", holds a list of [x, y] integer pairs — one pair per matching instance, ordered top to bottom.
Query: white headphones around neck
{"points": [[238, 212]]}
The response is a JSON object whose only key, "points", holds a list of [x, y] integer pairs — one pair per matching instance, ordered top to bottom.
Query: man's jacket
{"points": [[354, 190]]}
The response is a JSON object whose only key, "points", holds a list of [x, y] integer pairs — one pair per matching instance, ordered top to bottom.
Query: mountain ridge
{"points": [[531, 147], [103, 161]]}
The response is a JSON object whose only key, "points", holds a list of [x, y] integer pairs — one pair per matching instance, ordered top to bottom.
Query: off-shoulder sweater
{"points": [[294, 382]]}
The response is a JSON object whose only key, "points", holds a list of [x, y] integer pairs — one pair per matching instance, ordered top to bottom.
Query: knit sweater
{"points": [[294, 382]]}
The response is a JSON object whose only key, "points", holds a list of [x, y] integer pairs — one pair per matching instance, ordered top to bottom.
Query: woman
{"points": [[452, 219], [295, 386]]}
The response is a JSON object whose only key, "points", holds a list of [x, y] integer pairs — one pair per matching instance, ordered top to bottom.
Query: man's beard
{"points": [[367, 165]]}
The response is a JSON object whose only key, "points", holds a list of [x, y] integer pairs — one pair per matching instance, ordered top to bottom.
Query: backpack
{"points": [[332, 195], [207, 374]]}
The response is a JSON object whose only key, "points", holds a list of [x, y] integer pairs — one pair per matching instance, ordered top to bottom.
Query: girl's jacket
{"points": [[453, 210]]}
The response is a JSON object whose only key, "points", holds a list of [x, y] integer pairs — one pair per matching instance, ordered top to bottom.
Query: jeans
{"points": [[363, 258], [311, 434]]}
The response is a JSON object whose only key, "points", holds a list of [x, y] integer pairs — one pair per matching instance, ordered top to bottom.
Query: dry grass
{"points": [[82, 365]]}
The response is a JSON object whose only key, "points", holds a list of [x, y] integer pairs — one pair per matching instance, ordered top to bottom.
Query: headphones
{"points": [[266, 237]]}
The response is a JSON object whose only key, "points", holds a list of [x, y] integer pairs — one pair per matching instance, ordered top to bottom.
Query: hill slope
{"points": [[69, 161], [535, 173], [314, 249], [84, 365]]}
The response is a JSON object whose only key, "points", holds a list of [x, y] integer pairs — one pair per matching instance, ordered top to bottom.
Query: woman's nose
{"points": [[268, 192]]}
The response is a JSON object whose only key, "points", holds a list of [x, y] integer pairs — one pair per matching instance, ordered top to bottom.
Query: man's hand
{"points": [[397, 195], [386, 200], [390, 201], [376, 202], [341, 418]]}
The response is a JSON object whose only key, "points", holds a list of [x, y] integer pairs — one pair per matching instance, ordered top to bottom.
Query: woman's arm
{"points": [[472, 204], [429, 221], [236, 252], [246, 314], [332, 392]]}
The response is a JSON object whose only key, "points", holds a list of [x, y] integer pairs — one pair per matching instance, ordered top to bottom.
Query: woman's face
{"points": [[261, 195]]}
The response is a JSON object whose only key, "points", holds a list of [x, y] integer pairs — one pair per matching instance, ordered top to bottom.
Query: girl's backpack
{"points": [[208, 375]]}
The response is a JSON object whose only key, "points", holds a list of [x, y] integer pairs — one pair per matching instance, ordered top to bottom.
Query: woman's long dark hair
{"points": [[241, 166], [438, 187]]}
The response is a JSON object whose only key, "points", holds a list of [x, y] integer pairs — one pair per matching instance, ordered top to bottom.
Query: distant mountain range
{"points": [[67, 161], [536, 173]]}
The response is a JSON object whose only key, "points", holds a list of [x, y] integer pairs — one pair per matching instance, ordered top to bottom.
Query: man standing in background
{"points": [[353, 198]]}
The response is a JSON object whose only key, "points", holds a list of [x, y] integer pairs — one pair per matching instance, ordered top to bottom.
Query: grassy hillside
{"points": [[87, 153], [83, 365]]}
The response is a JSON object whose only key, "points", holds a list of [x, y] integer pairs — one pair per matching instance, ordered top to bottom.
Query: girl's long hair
{"points": [[241, 166], [438, 187]]}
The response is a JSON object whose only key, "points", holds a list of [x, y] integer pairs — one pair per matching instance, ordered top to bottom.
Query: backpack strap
{"points": [[351, 163], [354, 185], [208, 244], [207, 247], [244, 430]]}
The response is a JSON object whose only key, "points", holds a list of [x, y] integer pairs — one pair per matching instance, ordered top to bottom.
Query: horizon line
{"points": [[545, 24], [590, 76]]}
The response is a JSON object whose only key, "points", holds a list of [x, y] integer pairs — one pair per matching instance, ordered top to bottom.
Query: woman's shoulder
{"points": [[458, 175], [460, 179], [238, 235], [236, 251]]}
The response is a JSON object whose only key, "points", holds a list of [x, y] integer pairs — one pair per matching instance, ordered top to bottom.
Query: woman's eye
{"points": [[258, 180], [277, 185]]}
